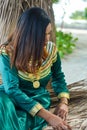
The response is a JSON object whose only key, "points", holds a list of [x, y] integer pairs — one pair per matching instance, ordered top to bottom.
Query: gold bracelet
{"points": [[63, 102]]}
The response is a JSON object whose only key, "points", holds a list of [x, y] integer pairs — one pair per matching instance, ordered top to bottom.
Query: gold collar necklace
{"points": [[35, 79]]}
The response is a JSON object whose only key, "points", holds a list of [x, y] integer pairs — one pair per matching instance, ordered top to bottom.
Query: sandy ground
{"points": [[75, 65]]}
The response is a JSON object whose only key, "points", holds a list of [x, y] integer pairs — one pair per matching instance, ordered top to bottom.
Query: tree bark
{"points": [[11, 9]]}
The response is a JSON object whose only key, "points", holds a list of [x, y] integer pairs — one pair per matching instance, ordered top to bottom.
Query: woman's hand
{"points": [[61, 110], [57, 123]]}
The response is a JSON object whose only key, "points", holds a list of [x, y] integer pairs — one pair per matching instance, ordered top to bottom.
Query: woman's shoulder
{"points": [[3, 49], [4, 57], [5, 63]]}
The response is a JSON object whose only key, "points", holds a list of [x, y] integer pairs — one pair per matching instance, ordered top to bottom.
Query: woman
{"points": [[27, 62]]}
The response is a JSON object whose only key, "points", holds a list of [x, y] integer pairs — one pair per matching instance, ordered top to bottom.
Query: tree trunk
{"points": [[11, 9]]}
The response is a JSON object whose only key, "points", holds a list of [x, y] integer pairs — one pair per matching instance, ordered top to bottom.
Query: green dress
{"points": [[20, 100]]}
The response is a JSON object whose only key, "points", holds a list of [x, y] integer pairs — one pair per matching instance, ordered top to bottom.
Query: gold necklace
{"points": [[36, 83]]}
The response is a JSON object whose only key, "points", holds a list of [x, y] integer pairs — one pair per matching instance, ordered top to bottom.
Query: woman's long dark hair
{"points": [[28, 39]]}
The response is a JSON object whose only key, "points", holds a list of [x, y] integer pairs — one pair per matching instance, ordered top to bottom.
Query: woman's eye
{"points": [[48, 33]]}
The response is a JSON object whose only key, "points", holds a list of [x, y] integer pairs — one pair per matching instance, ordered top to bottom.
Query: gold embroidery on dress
{"points": [[45, 68]]}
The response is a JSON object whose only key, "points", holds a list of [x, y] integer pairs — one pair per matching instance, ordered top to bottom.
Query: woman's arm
{"points": [[58, 79], [11, 87], [60, 87], [55, 121]]}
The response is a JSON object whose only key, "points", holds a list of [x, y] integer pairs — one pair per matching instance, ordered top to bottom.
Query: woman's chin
{"points": [[46, 43]]}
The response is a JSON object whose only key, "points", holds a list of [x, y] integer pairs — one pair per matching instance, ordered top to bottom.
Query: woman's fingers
{"points": [[62, 114], [68, 127]]}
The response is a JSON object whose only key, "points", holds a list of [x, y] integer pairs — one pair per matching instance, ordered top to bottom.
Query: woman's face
{"points": [[48, 33]]}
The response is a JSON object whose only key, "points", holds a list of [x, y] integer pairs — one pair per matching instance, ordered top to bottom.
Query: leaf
{"points": [[65, 42]]}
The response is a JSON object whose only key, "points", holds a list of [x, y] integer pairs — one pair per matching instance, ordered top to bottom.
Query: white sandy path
{"points": [[75, 65]]}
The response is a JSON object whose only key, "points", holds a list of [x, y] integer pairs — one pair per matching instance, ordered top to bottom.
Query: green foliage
{"points": [[55, 1], [85, 13], [79, 14], [65, 43]]}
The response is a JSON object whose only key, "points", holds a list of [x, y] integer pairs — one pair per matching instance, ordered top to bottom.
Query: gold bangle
{"points": [[64, 103]]}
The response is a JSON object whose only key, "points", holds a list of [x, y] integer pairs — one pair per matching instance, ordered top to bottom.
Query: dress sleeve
{"points": [[58, 78], [11, 87]]}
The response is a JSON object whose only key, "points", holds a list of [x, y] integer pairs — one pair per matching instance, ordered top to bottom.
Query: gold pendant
{"points": [[36, 84]]}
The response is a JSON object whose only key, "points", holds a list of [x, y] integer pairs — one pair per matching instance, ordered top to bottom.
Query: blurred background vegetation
{"points": [[79, 15], [65, 43]]}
